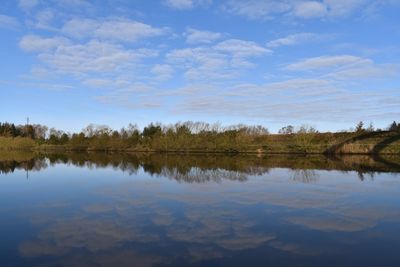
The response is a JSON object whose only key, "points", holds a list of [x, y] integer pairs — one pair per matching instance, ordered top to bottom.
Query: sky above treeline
{"points": [[329, 63]]}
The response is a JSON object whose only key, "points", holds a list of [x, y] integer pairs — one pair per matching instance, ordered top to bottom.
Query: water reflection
{"points": [[205, 168], [305, 176], [181, 210]]}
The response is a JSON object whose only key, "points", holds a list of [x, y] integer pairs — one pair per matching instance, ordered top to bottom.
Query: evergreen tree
{"points": [[394, 126], [360, 127]]}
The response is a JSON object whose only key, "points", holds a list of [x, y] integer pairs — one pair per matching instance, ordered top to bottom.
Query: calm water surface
{"points": [[180, 210]]}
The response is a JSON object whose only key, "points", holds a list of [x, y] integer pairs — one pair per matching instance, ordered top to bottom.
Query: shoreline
{"points": [[63, 149]]}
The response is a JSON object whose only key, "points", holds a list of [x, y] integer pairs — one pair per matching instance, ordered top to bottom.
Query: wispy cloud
{"points": [[180, 4], [186, 4], [26, 5], [254, 9], [304, 9], [310, 9], [44, 19], [8, 22], [118, 29], [194, 36], [295, 39], [35, 43], [241, 48], [94, 56], [220, 61], [322, 62], [200, 63], [93, 64], [345, 67], [162, 71], [366, 71], [98, 83], [276, 106]]}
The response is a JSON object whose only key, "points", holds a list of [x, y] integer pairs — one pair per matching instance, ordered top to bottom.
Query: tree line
{"points": [[194, 135], [181, 136]]}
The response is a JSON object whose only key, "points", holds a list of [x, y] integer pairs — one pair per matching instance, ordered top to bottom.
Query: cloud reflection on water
{"points": [[201, 215]]}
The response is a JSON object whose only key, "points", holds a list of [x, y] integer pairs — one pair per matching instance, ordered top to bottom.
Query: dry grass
{"points": [[17, 143]]}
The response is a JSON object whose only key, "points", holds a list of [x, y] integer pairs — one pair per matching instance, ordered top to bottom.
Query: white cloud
{"points": [[180, 4], [186, 4], [255, 9], [269, 9], [310, 9], [44, 19], [8, 22], [80, 28], [124, 30], [194, 36], [294, 39], [34, 43], [241, 48], [98, 52], [94, 56], [83, 60], [224, 60], [322, 62], [201, 63], [345, 67], [366, 70], [162, 72]]}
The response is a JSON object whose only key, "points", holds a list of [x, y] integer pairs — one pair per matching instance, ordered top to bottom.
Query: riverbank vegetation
{"points": [[203, 137]]}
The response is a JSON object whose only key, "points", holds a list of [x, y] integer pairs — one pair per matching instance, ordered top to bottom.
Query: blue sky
{"points": [[329, 63]]}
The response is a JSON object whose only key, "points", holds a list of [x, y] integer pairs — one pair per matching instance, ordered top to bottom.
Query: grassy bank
{"points": [[384, 142], [17, 143]]}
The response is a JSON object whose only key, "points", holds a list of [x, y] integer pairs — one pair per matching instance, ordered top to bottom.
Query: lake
{"points": [[92, 209]]}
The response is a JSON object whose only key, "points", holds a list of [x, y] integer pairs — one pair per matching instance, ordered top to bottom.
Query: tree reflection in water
{"points": [[204, 167], [305, 176]]}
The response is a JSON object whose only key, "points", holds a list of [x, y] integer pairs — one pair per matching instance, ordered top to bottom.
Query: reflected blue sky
{"points": [[66, 215]]}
